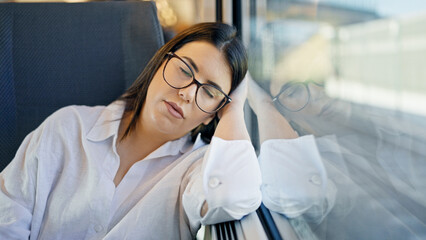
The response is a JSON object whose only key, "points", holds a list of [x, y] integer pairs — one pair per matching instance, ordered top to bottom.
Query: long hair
{"points": [[221, 35]]}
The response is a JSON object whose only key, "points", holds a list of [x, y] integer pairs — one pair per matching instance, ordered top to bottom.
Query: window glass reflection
{"points": [[352, 74]]}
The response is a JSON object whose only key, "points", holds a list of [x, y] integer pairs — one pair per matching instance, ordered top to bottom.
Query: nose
{"points": [[188, 93]]}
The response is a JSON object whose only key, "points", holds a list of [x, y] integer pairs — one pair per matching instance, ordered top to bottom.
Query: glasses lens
{"points": [[177, 73], [294, 97], [209, 98]]}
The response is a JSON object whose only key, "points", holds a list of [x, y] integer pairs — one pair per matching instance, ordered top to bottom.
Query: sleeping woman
{"points": [[170, 154]]}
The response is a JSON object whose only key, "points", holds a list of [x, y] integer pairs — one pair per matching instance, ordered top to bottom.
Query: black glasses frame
{"points": [[171, 55], [285, 87]]}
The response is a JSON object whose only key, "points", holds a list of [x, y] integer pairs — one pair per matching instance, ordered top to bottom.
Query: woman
{"points": [[141, 168]]}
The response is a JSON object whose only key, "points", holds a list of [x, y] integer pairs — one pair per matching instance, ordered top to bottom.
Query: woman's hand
{"points": [[238, 97]]}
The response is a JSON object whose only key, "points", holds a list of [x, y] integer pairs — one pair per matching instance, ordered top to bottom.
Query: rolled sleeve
{"points": [[294, 178], [229, 182]]}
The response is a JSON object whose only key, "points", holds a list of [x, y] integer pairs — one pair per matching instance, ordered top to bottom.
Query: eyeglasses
{"points": [[178, 74], [293, 96]]}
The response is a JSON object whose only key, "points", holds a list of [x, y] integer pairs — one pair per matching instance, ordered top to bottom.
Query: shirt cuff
{"points": [[231, 180]]}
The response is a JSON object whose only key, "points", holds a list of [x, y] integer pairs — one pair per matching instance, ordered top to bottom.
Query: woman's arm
{"points": [[232, 125], [26, 182], [227, 184], [17, 191]]}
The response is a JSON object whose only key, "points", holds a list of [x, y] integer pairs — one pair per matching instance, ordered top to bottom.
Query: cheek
{"points": [[157, 80], [157, 87]]}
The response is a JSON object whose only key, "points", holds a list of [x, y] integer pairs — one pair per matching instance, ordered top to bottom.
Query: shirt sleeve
{"points": [[294, 179], [228, 180], [17, 191]]}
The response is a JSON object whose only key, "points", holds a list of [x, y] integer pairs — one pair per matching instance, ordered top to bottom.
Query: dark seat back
{"points": [[58, 54]]}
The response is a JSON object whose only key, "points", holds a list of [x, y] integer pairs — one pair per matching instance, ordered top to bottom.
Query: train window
{"points": [[352, 75]]}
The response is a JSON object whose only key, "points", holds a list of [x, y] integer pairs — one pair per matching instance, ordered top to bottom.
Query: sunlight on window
{"points": [[379, 63], [404, 101]]}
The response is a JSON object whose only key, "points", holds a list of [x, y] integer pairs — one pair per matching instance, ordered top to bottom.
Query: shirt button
{"points": [[315, 179], [214, 182], [98, 228]]}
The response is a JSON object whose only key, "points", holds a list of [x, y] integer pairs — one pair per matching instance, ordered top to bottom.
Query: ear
{"points": [[209, 119]]}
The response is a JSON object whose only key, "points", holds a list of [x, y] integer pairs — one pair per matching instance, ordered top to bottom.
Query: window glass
{"points": [[352, 74]]}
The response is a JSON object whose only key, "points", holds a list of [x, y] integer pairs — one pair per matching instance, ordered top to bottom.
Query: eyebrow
{"points": [[192, 63], [196, 69], [214, 84]]}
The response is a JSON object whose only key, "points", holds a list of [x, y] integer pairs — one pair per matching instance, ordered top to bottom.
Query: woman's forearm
{"points": [[232, 125]]}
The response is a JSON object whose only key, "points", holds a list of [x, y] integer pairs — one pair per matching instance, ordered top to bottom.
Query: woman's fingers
{"points": [[239, 95]]}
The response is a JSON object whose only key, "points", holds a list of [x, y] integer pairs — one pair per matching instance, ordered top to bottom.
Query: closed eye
{"points": [[187, 73], [209, 93]]}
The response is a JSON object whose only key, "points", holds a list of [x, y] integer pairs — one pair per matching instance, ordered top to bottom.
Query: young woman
{"points": [[155, 164]]}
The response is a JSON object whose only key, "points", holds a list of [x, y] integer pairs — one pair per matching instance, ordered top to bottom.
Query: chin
{"points": [[168, 127]]}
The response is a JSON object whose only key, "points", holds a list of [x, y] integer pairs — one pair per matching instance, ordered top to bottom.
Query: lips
{"points": [[174, 110]]}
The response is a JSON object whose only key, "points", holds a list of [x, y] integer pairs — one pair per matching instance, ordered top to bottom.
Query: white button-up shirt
{"points": [[60, 183]]}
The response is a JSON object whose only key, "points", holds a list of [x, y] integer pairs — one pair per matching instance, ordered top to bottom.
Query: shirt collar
{"points": [[108, 122], [171, 148]]}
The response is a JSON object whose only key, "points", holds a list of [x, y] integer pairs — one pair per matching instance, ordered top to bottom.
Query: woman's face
{"points": [[173, 112]]}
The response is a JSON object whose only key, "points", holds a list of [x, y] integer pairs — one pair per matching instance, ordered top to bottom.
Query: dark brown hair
{"points": [[221, 35]]}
